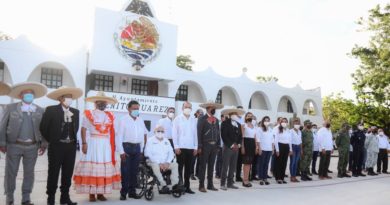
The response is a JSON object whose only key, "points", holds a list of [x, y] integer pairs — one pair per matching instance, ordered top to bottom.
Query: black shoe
{"points": [[330, 171], [314, 172], [385, 172], [286, 175], [346, 175], [355, 175], [362, 175], [269, 177], [304, 178], [239, 179], [261, 182], [280, 182], [284, 182], [266, 183], [247, 184], [212, 188], [164, 190], [189, 191], [133, 195], [123, 197], [50, 200], [67, 202], [27, 203]]}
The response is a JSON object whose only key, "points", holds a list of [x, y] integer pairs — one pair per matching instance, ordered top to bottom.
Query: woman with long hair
{"points": [[265, 141], [283, 149]]}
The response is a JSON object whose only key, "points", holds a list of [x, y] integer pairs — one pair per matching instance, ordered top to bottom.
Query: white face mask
{"points": [[68, 102], [187, 111], [171, 115], [235, 118], [254, 122], [266, 124], [284, 125], [297, 126], [361, 127], [350, 131], [381, 133], [159, 135]]}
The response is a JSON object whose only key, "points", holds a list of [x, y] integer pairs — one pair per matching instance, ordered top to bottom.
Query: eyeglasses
{"points": [[159, 131]]}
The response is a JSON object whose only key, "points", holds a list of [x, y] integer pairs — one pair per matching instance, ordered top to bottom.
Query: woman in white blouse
{"points": [[265, 139], [296, 141], [249, 147], [283, 149]]}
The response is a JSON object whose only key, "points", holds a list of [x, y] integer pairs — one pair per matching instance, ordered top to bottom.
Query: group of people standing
{"points": [[241, 143]]}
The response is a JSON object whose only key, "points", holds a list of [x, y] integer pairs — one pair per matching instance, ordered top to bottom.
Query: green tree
{"points": [[185, 62], [372, 78], [264, 79], [339, 110]]}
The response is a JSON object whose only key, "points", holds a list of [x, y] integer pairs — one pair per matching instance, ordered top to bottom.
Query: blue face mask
{"points": [[28, 98], [135, 113]]}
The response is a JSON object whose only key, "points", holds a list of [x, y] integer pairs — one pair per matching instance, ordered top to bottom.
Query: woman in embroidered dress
{"points": [[97, 173]]}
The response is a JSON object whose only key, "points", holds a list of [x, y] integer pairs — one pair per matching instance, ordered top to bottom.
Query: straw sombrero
{"points": [[4, 88], [39, 89], [64, 90], [100, 96], [211, 103], [232, 109]]}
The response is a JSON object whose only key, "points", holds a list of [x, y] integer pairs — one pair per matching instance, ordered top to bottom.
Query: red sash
{"points": [[108, 128]]}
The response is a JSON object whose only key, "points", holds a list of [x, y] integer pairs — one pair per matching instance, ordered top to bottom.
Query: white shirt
{"points": [[28, 107], [167, 123], [131, 131], [184, 132], [249, 132], [296, 137], [284, 138], [266, 139], [325, 139], [316, 142], [383, 142], [159, 152]]}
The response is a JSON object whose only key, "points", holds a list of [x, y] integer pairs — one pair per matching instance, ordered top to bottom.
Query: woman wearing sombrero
{"points": [[97, 172]]}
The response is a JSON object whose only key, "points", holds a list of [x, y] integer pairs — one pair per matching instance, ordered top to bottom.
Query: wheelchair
{"points": [[146, 180]]}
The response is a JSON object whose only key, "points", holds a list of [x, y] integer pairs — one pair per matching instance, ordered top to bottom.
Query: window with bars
{"points": [[2, 71], [51, 77], [104, 82], [139, 87], [182, 93], [219, 97], [289, 107]]}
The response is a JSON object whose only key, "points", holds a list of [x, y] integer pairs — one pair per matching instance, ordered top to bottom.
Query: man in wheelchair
{"points": [[161, 159]]}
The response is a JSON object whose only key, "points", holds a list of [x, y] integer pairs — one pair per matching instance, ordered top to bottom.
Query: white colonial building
{"points": [[133, 56]]}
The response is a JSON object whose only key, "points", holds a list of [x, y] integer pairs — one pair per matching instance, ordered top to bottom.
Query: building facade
{"points": [[133, 56]]}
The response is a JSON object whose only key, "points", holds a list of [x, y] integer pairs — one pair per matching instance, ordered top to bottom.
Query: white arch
{"points": [[7, 74], [67, 78], [195, 91], [230, 96], [259, 100], [283, 104], [309, 107]]}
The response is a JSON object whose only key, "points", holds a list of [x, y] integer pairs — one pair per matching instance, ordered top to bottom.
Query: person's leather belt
{"points": [[66, 141], [25, 143]]}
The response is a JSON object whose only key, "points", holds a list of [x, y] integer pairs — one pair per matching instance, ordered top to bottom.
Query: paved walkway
{"points": [[361, 190]]}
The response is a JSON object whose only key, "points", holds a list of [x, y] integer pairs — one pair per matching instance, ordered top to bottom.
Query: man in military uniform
{"points": [[357, 142], [342, 143], [307, 150]]}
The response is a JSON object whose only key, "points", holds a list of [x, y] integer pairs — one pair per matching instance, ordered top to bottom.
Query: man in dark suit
{"points": [[59, 127], [231, 136], [357, 142], [208, 144]]}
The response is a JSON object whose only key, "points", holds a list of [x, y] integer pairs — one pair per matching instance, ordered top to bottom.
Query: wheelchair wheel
{"points": [[142, 180], [149, 194], [176, 194]]}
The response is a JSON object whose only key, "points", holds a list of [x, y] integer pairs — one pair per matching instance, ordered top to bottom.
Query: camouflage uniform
{"points": [[343, 142], [307, 149]]}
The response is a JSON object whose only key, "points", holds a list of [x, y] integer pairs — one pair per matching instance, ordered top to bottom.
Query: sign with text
{"points": [[148, 104]]}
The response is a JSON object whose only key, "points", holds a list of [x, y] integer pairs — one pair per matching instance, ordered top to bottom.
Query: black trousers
{"points": [[61, 157], [382, 158], [184, 160], [207, 161], [281, 161], [350, 161], [314, 162], [218, 163], [357, 163], [324, 164], [239, 166]]}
